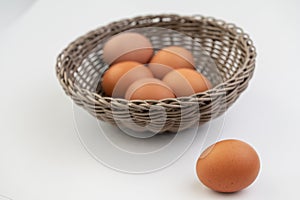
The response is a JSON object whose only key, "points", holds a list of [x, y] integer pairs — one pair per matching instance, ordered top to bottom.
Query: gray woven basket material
{"points": [[80, 66]]}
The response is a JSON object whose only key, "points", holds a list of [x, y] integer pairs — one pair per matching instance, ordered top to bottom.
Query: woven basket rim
{"points": [[231, 27]]}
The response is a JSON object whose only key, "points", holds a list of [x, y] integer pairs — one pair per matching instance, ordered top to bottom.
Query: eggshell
{"points": [[127, 47], [173, 57], [159, 70], [118, 77], [185, 82], [148, 89], [228, 166]]}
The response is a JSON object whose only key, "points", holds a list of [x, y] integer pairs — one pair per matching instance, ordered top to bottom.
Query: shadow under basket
{"points": [[80, 67]]}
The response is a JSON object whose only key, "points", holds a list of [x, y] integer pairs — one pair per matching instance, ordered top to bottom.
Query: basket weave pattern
{"points": [[79, 70]]}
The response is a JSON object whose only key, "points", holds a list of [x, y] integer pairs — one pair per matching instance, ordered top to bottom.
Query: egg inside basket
{"points": [[223, 53]]}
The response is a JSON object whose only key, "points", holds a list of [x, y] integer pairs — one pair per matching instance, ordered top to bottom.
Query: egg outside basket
{"points": [[79, 69]]}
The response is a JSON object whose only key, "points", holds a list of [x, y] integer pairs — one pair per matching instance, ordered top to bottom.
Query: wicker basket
{"points": [[80, 67]]}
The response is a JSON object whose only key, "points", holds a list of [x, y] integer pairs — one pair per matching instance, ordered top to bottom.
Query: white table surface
{"points": [[41, 156]]}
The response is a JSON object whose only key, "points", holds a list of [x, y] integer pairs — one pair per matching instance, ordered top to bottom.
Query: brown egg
{"points": [[127, 47], [173, 57], [118, 77], [185, 82], [148, 89], [228, 166]]}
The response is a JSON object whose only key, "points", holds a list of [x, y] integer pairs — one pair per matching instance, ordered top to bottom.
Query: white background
{"points": [[41, 156]]}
